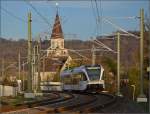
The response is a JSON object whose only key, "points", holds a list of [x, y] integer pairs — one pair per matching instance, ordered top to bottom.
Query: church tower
{"points": [[57, 40]]}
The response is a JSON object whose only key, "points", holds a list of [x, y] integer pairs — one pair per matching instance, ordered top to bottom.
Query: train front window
{"points": [[93, 73]]}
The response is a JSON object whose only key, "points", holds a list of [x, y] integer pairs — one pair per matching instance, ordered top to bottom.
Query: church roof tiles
{"points": [[57, 29]]}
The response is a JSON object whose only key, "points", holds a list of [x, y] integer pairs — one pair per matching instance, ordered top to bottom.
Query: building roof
{"points": [[57, 29], [53, 64]]}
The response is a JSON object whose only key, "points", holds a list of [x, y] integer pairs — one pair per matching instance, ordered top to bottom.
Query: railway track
{"points": [[61, 98], [77, 101], [103, 101], [71, 102], [81, 103], [97, 103], [40, 105]]}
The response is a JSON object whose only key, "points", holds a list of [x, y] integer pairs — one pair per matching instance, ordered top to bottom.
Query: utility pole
{"points": [[149, 47], [93, 55], [39, 64], [118, 64], [19, 66], [44, 66], [33, 67], [3, 69], [19, 70], [3, 75], [23, 76], [29, 79], [141, 97]]}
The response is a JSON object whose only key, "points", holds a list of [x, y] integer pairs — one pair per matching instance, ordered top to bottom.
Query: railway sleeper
{"points": [[101, 106], [64, 109]]}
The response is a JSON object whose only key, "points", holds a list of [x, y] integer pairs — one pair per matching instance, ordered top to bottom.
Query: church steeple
{"points": [[57, 29], [57, 39]]}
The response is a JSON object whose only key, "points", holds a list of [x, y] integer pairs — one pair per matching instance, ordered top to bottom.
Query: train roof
{"points": [[76, 70]]}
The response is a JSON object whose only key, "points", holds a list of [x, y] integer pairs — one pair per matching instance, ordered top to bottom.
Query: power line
{"points": [[97, 12], [94, 14], [12, 15], [97, 15], [17, 17], [126, 17], [100, 18], [44, 19], [120, 28], [102, 45], [78, 53]]}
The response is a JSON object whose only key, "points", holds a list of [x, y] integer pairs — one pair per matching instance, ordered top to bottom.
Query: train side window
{"points": [[84, 77], [76, 78], [67, 80]]}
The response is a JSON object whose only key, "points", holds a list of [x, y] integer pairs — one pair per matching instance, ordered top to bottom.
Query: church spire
{"points": [[56, 8], [57, 29], [57, 39]]}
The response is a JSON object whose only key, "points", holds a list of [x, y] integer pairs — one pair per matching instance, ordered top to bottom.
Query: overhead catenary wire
{"points": [[13, 15], [95, 16], [98, 16], [17, 17], [42, 17], [126, 17], [120, 28], [103, 45], [96, 49], [78, 53]]}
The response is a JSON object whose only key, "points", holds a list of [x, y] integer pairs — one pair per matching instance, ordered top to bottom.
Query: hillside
{"points": [[129, 49]]}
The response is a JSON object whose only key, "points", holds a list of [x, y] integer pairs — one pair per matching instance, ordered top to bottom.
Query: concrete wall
{"points": [[46, 76], [51, 86], [1, 90], [8, 90]]}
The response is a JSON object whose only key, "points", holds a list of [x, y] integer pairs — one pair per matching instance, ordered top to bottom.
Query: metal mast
{"points": [[141, 49], [93, 55], [39, 63], [118, 64], [19, 66], [33, 68], [3, 69], [23, 75], [29, 77], [142, 97]]}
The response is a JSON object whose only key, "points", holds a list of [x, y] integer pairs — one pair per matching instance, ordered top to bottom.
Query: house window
{"points": [[53, 44], [62, 44]]}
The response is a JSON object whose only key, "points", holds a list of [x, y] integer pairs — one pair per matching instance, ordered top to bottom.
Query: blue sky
{"points": [[77, 17]]}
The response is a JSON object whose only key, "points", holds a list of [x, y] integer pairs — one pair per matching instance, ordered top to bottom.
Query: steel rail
{"points": [[95, 105], [101, 106]]}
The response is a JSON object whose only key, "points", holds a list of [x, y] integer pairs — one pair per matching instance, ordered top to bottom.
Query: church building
{"points": [[57, 40], [56, 58]]}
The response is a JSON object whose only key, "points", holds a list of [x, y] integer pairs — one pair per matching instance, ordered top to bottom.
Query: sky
{"points": [[77, 17]]}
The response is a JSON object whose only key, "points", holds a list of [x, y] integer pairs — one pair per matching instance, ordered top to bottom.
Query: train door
{"points": [[75, 81], [83, 82]]}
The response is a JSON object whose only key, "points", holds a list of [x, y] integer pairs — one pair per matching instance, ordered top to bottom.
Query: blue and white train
{"points": [[83, 78]]}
